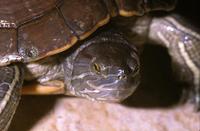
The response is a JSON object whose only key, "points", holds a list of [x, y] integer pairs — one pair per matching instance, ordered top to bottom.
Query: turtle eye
{"points": [[97, 67]]}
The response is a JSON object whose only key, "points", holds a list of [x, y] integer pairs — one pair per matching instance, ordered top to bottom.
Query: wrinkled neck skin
{"points": [[68, 66], [52, 68], [45, 70]]}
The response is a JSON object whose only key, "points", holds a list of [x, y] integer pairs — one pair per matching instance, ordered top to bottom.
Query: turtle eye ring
{"points": [[97, 67]]}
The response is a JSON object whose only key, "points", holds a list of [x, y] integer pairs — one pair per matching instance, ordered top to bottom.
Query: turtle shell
{"points": [[34, 29]]}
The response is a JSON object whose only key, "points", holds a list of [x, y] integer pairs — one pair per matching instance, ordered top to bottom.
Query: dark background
{"points": [[190, 9]]}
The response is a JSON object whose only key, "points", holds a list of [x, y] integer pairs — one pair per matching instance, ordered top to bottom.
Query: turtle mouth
{"points": [[105, 83]]}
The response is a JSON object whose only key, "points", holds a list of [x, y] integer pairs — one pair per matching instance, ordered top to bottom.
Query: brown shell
{"points": [[33, 29]]}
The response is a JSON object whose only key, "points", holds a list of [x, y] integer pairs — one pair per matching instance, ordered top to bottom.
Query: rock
{"points": [[74, 114]]}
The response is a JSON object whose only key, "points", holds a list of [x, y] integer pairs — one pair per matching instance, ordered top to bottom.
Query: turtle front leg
{"points": [[183, 44], [11, 80]]}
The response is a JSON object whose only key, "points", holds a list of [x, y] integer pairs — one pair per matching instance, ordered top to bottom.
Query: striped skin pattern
{"points": [[183, 44], [10, 84]]}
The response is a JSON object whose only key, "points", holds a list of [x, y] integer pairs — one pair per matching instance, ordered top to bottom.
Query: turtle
{"points": [[59, 43]]}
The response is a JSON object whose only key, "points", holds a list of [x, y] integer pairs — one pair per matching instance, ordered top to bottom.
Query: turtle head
{"points": [[105, 68]]}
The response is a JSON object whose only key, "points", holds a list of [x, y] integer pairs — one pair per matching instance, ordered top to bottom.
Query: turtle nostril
{"points": [[122, 76]]}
